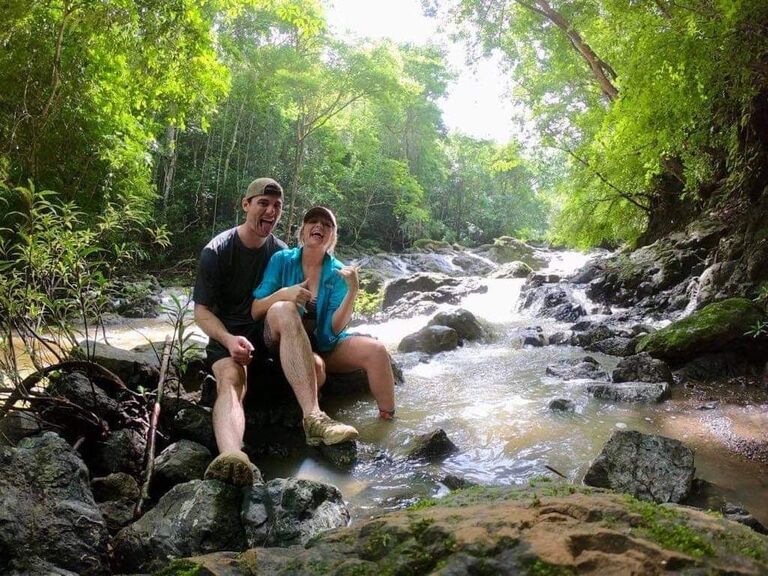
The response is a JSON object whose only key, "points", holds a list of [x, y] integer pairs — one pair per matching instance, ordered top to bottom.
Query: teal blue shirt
{"points": [[284, 269]]}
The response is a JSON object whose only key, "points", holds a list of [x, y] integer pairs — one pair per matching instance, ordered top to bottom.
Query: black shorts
{"points": [[215, 351]]}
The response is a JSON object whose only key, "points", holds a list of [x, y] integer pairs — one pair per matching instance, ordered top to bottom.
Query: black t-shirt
{"points": [[228, 273]]}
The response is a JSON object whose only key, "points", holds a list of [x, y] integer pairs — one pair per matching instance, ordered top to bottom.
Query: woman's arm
{"points": [[343, 313]]}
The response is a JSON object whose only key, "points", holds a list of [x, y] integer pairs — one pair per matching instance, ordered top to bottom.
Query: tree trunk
{"points": [[170, 164]]}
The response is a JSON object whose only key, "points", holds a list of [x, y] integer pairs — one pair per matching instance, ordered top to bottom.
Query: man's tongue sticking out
{"points": [[265, 226]]}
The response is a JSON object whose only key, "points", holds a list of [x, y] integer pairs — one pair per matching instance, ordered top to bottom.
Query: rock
{"points": [[507, 249], [471, 264], [511, 270], [421, 282], [138, 298], [555, 301], [462, 321], [717, 327], [588, 334], [533, 336], [562, 338], [430, 339], [615, 346], [716, 366], [642, 368], [134, 369], [577, 369], [353, 383], [78, 389], [629, 391], [562, 405], [182, 419], [17, 425], [432, 446], [122, 451], [342, 456], [180, 462], [647, 466], [453, 482], [114, 487], [707, 496], [47, 511], [291, 511], [117, 514], [193, 518], [559, 529]]}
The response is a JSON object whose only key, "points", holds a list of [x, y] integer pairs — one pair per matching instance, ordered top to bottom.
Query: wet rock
{"points": [[472, 265], [511, 270], [536, 279], [422, 282], [552, 301], [462, 321], [718, 327], [591, 333], [533, 336], [562, 338], [430, 339], [615, 346], [716, 366], [642, 368], [135, 369], [577, 369], [352, 383], [629, 391], [562, 405], [17, 425], [432, 446], [122, 451], [342, 456], [180, 462], [647, 466], [453, 482], [114, 487], [707, 496], [47, 511], [290, 511], [117, 514], [193, 518]]}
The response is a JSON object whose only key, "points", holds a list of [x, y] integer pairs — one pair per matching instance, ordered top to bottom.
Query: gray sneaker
{"points": [[321, 428]]}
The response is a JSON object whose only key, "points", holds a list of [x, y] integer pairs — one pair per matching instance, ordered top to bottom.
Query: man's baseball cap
{"points": [[262, 186], [320, 211]]}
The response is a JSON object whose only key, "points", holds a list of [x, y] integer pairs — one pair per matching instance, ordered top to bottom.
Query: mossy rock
{"points": [[429, 245], [716, 327], [551, 528]]}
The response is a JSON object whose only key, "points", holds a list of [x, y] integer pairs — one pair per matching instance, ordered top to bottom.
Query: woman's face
{"points": [[318, 231]]}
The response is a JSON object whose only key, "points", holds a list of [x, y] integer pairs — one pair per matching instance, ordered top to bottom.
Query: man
{"points": [[230, 268]]}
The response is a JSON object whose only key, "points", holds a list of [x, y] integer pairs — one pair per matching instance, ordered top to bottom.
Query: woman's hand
{"points": [[349, 274], [299, 294]]}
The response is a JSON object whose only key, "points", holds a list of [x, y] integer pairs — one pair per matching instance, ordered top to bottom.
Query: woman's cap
{"points": [[262, 186], [320, 211]]}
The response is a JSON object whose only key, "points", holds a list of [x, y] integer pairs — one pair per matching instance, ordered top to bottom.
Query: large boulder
{"points": [[507, 249], [511, 270], [421, 282], [137, 297], [555, 301], [462, 321], [717, 327], [430, 339], [614, 346], [585, 368], [642, 368], [135, 369], [17, 424], [180, 462], [647, 466], [47, 510], [288, 511], [193, 518], [555, 529]]}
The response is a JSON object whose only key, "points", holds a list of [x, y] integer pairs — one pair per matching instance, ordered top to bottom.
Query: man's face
{"points": [[263, 212]]}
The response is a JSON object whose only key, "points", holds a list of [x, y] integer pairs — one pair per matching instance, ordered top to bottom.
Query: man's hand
{"points": [[349, 274], [299, 294], [240, 349]]}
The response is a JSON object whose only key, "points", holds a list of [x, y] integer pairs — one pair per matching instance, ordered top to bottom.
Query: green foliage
{"points": [[56, 272]]}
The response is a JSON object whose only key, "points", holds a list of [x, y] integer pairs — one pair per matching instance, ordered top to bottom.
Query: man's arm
{"points": [[238, 346]]}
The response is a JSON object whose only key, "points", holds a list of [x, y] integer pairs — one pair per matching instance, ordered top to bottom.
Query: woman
{"points": [[324, 291]]}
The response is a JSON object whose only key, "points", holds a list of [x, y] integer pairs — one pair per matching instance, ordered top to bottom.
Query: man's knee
{"points": [[229, 376]]}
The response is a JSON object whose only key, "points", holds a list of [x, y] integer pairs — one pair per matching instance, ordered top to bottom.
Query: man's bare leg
{"points": [[300, 369], [232, 465]]}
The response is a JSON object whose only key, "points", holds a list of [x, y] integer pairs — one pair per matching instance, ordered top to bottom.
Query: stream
{"points": [[492, 398]]}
